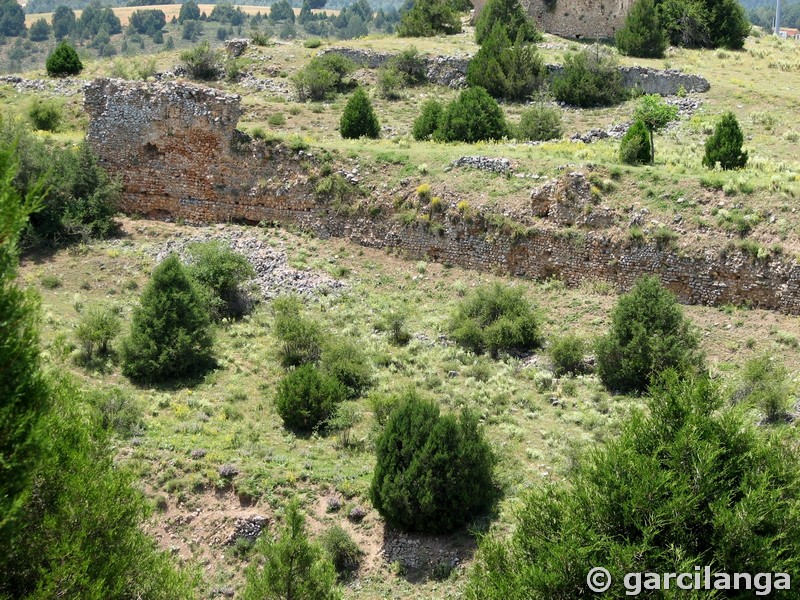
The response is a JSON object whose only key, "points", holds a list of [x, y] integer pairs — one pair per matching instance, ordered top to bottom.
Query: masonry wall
{"points": [[577, 19], [177, 151]]}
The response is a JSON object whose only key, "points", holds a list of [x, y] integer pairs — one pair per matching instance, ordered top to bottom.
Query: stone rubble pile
{"points": [[68, 86], [687, 106], [485, 163], [273, 277], [248, 528]]}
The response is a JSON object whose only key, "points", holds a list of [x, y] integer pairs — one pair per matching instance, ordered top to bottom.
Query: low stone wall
{"points": [[452, 71], [178, 153]]}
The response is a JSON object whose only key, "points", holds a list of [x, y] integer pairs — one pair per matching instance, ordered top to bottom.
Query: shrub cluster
{"points": [[202, 62], [505, 69], [323, 76], [589, 78], [45, 115], [472, 117], [539, 123], [81, 201], [220, 272], [496, 319], [96, 329], [170, 333], [649, 334], [300, 337], [567, 355], [326, 371], [433, 472], [635, 502], [343, 551]]}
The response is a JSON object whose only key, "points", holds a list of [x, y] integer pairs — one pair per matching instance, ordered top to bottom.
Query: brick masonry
{"points": [[179, 155]]}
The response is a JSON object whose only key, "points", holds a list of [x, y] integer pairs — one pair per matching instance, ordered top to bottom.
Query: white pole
{"points": [[778, 18]]}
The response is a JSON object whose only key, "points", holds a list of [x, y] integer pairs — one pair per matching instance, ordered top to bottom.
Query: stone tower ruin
{"points": [[577, 19]]}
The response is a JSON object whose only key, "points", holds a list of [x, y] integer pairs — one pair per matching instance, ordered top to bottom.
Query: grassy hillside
{"points": [[177, 437]]}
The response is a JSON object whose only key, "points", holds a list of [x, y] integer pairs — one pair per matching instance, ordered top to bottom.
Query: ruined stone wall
{"points": [[577, 19], [452, 71], [178, 152], [179, 155]]}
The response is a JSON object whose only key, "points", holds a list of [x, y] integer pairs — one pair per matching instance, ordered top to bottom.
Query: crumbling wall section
{"points": [[177, 150], [179, 155]]}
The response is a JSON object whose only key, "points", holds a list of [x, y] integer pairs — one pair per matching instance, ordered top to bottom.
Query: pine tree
{"points": [[305, 14], [512, 15], [642, 35], [63, 61], [485, 69], [474, 116], [358, 119], [724, 147], [634, 149], [170, 334], [649, 334], [24, 391], [433, 473], [293, 568]]}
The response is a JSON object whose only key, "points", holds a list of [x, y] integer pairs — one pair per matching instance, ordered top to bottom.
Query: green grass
{"points": [[535, 422]]}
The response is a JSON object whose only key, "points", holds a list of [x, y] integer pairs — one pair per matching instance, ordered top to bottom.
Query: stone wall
{"points": [[577, 19], [452, 71], [178, 152], [179, 155]]}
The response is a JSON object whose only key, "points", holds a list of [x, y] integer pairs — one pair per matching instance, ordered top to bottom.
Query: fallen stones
{"points": [[485, 163], [568, 201], [273, 277], [248, 528]]}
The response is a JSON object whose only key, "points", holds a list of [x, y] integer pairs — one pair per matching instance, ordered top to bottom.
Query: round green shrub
{"points": [[642, 35], [63, 61], [590, 78], [45, 115], [473, 117], [358, 119], [428, 121], [539, 124], [724, 147], [634, 149], [496, 318], [170, 334], [648, 335], [567, 355], [347, 363], [307, 397], [433, 473], [690, 482], [343, 551]]}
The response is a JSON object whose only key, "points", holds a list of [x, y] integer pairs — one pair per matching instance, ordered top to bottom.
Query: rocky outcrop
{"points": [[568, 202]]}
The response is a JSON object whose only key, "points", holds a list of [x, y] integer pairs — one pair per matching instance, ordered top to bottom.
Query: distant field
{"points": [[170, 10]]}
